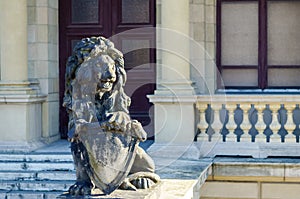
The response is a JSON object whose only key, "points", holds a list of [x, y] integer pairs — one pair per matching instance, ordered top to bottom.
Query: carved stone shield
{"points": [[110, 156]]}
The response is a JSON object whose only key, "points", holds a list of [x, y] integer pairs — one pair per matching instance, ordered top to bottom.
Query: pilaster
{"points": [[174, 96], [20, 99]]}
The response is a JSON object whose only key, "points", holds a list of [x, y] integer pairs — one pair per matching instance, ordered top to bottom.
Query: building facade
{"points": [[212, 69], [207, 77]]}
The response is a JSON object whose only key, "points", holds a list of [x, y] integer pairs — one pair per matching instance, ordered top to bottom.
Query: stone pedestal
{"points": [[20, 116], [174, 119]]}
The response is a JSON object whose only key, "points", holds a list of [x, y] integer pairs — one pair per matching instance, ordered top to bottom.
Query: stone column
{"points": [[13, 40], [175, 69], [174, 98], [20, 99]]}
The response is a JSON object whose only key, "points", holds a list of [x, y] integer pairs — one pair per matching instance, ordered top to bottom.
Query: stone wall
{"points": [[203, 32], [248, 179], [249, 190]]}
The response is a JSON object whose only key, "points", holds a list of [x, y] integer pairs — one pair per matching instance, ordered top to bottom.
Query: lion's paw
{"points": [[140, 180], [142, 183], [126, 185], [80, 188]]}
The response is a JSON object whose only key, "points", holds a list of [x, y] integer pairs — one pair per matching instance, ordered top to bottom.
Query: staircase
{"points": [[45, 173]]}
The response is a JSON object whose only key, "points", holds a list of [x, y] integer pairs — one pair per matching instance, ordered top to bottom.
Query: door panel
{"points": [[85, 11], [135, 11], [130, 14], [86, 18], [139, 64]]}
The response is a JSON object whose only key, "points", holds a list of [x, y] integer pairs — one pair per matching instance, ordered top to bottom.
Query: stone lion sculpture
{"points": [[98, 116]]}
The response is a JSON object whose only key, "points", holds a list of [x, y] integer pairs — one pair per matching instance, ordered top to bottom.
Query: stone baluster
{"points": [[217, 124], [260, 124], [202, 125], [231, 125], [245, 125], [275, 125], [289, 125]]}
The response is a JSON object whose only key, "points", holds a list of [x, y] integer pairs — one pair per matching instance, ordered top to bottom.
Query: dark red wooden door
{"points": [[117, 20]]}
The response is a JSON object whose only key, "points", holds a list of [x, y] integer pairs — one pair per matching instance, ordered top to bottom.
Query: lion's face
{"points": [[105, 72]]}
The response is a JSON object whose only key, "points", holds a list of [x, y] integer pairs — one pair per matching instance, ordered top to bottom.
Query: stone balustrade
{"points": [[251, 119]]}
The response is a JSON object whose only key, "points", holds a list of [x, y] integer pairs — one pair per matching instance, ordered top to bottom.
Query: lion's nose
{"points": [[107, 76], [143, 136]]}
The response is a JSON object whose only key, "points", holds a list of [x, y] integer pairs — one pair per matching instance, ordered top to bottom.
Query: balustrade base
{"points": [[231, 137], [246, 138], [276, 138], [290, 138], [253, 149]]}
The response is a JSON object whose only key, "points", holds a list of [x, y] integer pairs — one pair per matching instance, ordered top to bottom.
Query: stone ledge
{"points": [[21, 92], [14, 98], [159, 98], [250, 170], [168, 188]]}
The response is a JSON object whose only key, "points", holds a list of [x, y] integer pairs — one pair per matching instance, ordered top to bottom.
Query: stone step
{"points": [[36, 157], [36, 166], [43, 174], [38, 175], [57, 175], [30, 185], [29, 194]]}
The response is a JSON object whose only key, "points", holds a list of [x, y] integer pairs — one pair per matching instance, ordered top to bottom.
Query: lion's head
{"points": [[108, 66], [96, 71], [105, 72]]}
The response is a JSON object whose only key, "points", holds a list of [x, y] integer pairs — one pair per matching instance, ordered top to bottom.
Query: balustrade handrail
{"points": [[251, 98]]}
